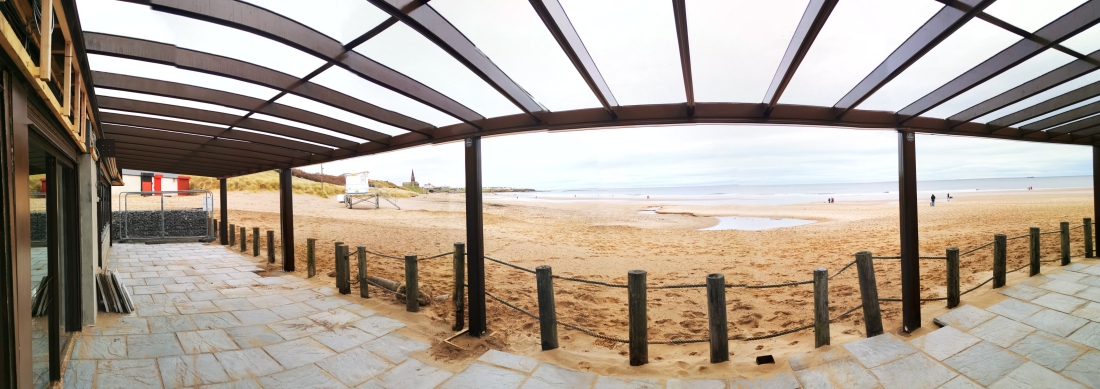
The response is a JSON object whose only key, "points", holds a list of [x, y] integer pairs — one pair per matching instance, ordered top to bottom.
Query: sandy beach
{"points": [[602, 240]]}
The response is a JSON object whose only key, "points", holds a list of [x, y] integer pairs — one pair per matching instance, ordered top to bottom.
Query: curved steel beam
{"points": [[679, 11], [813, 19], [259, 21], [556, 21], [1073, 22], [429, 23], [935, 30], [165, 54], [1051, 79], [1067, 99], [232, 100], [175, 111], [1064, 117], [116, 129], [198, 129], [196, 143], [174, 154], [207, 162], [151, 163]]}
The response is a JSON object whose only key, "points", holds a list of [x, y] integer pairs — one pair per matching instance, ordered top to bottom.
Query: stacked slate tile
{"points": [[112, 293]]}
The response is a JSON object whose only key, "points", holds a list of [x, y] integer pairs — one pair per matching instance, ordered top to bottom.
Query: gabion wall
{"points": [[145, 224], [38, 226]]}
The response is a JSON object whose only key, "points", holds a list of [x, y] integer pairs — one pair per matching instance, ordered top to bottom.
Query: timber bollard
{"points": [[215, 229], [232, 234], [1088, 237], [244, 238], [255, 241], [1065, 242], [270, 246], [1034, 251], [362, 253], [1000, 260], [311, 261], [336, 262], [343, 284], [412, 286], [460, 286], [868, 291], [953, 294], [636, 300], [821, 307], [716, 313], [548, 315]]}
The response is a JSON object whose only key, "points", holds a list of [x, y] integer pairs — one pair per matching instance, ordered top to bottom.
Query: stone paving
{"points": [[204, 318]]}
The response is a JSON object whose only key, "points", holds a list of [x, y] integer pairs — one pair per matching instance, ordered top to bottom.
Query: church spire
{"points": [[413, 179]]}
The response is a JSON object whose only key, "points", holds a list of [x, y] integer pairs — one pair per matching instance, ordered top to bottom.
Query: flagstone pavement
{"points": [[204, 318]]}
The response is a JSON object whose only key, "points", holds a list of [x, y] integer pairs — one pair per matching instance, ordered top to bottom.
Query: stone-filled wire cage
{"points": [[163, 214]]}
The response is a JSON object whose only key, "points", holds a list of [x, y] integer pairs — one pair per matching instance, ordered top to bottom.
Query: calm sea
{"points": [[802, 193]]}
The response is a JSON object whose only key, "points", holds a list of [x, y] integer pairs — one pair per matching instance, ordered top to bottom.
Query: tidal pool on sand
{"points": [[753, 223]]}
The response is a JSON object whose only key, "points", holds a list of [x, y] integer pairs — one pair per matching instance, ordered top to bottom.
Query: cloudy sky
{"points": [[736, 47]]}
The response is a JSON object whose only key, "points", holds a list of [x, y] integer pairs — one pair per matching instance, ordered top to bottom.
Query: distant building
{"points": [[412, 181]]}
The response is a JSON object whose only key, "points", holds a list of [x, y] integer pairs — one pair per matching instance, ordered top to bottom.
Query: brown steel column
{"points": [[1096, 192], [907, 202], [286, 218], [223, 229], [475, 238]]}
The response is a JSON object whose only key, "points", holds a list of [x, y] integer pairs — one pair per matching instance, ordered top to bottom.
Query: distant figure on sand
{"points": [[933, 200]]}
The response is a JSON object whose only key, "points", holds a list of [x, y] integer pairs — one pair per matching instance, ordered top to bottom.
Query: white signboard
{"points": [[357, 183]]}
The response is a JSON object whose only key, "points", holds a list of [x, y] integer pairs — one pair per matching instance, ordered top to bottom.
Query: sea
{"points": [[799, 193]]}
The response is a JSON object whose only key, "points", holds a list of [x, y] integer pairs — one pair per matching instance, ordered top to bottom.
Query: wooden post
{"points": [[223, 200], [215, 227], [232, 234], [1088, 237], [244, 238], [255, 241], [1065, 242], [270, 246], [311, 251], [1034, 251], [1000, 260], [343, 283], [412, 284], [460, 286], [363, 291], [868, 291], [953, 295], [821, 307], [636, 308], [716, 313], [548, 315]]}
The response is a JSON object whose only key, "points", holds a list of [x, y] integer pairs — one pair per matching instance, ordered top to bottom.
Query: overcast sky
{"points": [[735, 47]]}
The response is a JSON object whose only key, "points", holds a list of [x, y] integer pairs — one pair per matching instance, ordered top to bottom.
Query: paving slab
{"points": [[1094, 270], [1067, 274], [1090, 281], [1063, 287], [1024, 292], [1091, 293], [268, 301], [1060, 302], [325, 303], [234, 304], [193, 307], [1014, 309], [294, 311], [1090, 311], [256, 316], [334, 318], [963, 318], [210, 321], [1055, 322], [379, 325], [124, 326], [296, 328], [1002, 331], [1089, 335], [254, 336], [206, 341], [945, 342], [152, 346], [100, 347], [395, 347], [878, 350], [1048, 350], [299, 352], [817, 357], [511, 361], [984, 362], [247, 363], [354, 366], [1086, 369], [191, 370], [916, 371], [128, 373], [80, 374], [409, 374], [841, 374], [1031, 375], [308, 376], [481, 376], [548, 376], [779, 381], [605, 382], [960, 382], [698, 384]]}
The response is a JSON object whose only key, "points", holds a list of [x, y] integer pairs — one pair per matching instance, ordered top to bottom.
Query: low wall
{"points": [[147, 224], [38, 227]]}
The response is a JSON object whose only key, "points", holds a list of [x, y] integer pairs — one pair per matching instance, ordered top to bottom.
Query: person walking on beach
{"points": [[933, 200]]}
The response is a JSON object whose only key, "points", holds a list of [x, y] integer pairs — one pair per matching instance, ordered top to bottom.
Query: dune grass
{"points": [[269, 181]]}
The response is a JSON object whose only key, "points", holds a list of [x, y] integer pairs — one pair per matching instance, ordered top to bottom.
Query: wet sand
{"points": [[602, 240]]}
